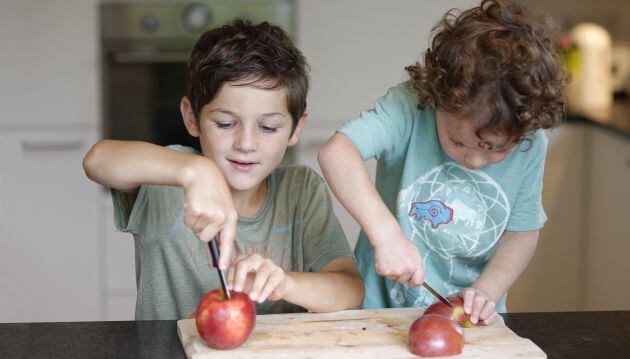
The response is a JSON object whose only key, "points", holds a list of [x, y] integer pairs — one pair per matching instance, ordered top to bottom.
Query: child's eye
{"points": [[224, 125], [268, 129], [458, 144]]}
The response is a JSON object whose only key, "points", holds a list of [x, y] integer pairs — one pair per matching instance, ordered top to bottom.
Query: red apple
{"points": [[456, 313], [222, 323], [435, 335]]}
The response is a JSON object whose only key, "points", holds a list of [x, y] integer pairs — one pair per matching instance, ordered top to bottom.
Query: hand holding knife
{"points": [[214, 252]]}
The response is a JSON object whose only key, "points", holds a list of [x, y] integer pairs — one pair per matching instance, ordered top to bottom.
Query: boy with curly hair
{"points": [[246, 102], [461, 152]]}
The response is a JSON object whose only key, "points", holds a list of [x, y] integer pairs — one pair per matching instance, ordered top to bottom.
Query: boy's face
{"points": [[245, 130], [459, 141]]}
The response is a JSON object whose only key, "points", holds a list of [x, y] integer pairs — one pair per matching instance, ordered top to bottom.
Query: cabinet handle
{"points": [[51, 146]]}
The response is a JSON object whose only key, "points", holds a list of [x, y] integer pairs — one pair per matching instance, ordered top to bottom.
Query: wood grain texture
{"points": [[380, 333]]}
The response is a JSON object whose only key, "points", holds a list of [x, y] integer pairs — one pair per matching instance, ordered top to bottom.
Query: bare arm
{"points": [[126, 165], [513, 253], [395, 256], [338, 286]]}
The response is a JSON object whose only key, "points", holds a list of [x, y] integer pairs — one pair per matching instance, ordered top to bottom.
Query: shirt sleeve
{"points": [[384, 130], [527, 212], [323, 237]]}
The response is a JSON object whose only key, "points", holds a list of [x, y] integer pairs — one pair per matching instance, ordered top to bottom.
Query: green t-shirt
{"points": [[454, 215], [295, 227]]}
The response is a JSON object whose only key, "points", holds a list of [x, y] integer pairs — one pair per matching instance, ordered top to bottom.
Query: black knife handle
{"points": [[214, 252]]}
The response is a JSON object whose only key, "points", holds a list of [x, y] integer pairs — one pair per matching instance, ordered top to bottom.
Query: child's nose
{"points": [[246, 140], [475, 161]]}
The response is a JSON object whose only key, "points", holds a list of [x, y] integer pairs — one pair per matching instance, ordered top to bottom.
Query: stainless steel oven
{"points": [[145, 47]]}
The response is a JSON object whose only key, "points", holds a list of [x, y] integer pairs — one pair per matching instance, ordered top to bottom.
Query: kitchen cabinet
{"points": [[48, 63], [48, 216], [117, 248], [581, 259], [551, 281], [607, 285]]}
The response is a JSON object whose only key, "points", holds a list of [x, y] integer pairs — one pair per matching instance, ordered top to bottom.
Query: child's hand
{"points": [[209, 210], [399, 259], [259, 277], [479, 305]]}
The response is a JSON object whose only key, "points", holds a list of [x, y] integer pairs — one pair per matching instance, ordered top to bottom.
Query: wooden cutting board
{"points": [[381, 333]]}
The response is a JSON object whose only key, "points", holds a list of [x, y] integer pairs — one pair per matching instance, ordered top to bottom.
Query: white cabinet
{"points": [[48, 62], [48, 216], [117, 251], [581, 260], [551, 281], [607, 284]]}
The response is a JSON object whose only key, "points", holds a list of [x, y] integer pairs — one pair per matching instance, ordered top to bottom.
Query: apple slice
{"points": [[456, 313]]}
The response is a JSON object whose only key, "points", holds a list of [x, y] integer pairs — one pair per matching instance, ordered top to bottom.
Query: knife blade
{"points": [[214, 252], [436, 294]]}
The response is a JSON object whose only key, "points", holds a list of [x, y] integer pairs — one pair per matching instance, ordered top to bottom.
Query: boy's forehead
{"points": [[251, 95]]}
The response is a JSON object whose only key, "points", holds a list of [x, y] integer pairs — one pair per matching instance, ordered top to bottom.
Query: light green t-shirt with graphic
{"points": [[454, 215], [295, 227]]}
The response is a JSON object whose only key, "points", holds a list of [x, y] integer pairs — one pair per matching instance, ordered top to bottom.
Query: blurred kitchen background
{"points": [[75, 71]]}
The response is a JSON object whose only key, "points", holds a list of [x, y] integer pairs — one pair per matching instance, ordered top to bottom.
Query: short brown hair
{"points": [[261, 55], [498, 55]]}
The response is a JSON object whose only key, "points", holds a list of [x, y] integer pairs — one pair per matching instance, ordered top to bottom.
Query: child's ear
{"points": [[185, 107], [298, 129]]}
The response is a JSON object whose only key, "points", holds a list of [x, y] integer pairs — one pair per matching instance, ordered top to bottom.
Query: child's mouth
{"points": [[242, 166]]}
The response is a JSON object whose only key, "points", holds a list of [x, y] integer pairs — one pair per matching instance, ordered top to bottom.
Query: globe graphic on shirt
{"points": [[457, 214]]}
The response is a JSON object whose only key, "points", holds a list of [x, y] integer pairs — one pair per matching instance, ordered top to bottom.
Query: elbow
{"points": [[325, 155], [93, 159]]}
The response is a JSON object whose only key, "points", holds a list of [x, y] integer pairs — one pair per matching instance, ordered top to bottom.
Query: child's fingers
{"points": [[208, 232], [227, 240], [249, 264], [262, 275], [277, 276], [417, 278], [403, 279], [469, 297], [478, 304], [487, 311], [491, 319]]}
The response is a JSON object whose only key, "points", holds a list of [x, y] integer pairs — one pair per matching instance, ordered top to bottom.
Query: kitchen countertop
{"points": [[616, 119], [559, 334]]}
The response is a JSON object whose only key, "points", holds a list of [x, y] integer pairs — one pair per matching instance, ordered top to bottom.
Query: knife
{"points": [[214, 251], [436, 294]]}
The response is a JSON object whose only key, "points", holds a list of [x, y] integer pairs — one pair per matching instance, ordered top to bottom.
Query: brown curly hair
{"points": [[261, 55], [498, 56]]}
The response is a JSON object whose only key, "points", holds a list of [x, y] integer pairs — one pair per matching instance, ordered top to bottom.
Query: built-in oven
{"points": [[145, 47]]}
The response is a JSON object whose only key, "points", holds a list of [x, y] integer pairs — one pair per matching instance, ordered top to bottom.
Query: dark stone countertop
{"points": [[616, 119], [560, 335]]}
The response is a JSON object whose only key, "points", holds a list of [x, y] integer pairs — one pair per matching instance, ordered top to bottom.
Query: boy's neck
{"points": [[248, 203]]}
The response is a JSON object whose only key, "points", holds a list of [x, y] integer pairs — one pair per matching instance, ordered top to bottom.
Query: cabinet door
{"points": [[48, 62], [48, 228], [607, 265], [554, 270], [120, 290]]}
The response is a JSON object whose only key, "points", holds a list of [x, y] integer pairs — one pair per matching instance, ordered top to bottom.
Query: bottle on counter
{"points": [[591, 87]]}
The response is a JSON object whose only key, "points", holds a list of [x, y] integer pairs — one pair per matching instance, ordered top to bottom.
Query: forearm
{"points": [[125, 165], [349, 180], [513, 253], [325, 291]]}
